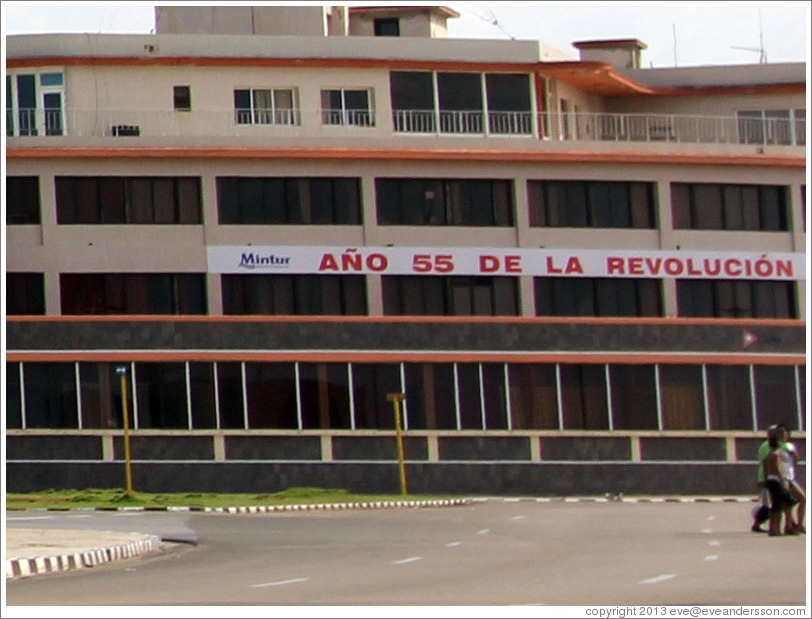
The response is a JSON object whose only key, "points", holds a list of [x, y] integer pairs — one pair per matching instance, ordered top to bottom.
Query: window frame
{"points": [[42, 119]]}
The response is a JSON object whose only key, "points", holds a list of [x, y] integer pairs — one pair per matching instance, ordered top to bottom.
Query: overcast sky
{"points": [[677, 33]]}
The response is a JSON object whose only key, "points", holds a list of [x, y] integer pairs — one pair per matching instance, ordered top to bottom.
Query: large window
{"points": [[425, 102], [34, 103], [277, 106], [347, 107], [22, 200], [127, 200], [321, 201], [438, 202], [591, 204], [711, 206], [132, 293], [25, 294], [294, 294], [449, 296], [588, 296], [735, 298], [161, 392], [50, 395], [439, 396], [634, 397], [682, 399], [584, 404], [730, 406]]}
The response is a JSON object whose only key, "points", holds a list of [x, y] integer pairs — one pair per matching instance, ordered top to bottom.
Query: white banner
{"points": [[320, 260]]}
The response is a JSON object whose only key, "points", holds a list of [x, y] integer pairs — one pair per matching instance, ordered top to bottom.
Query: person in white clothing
{"points": [[789, 458]]}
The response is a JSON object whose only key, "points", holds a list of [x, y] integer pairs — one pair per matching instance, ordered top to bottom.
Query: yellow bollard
{"points": [[121, 370], [396, 399]]}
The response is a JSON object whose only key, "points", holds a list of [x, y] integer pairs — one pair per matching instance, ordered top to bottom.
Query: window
{"points": [[387, 27], [182, 98], [462, 103], [509, 103], [34, 104], [278, 106], [347, 107], [413, 107], [772, 126], [22, 200], [127, 200], [319, 201], [438, 202], [591, 204], [708, 206], [132, 293], [25, 294], [294, 295], [449, 296], [587, 296], [735, 299], [371, 383], [100, 387], [161, 393], [50, 395], [271, 395], [325, 395], [533, 396], [583, 397], [634, 397], [682, 398], [729, 401], [776, 402], [14, 403], [433, 405]]}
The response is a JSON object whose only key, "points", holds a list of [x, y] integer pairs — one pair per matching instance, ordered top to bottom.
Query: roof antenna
{"points": [[491, 19], [762, 53]]}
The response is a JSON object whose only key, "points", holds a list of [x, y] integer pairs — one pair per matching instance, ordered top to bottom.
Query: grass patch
{"points": [[117, 497]]}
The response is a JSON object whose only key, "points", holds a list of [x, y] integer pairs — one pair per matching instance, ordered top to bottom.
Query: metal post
{"points": [[121, 370], [396, 399]]}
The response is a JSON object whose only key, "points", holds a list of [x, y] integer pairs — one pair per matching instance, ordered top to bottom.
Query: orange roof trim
{"points": [[506, 156]]}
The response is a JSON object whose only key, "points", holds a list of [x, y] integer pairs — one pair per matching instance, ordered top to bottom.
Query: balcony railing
{"points": [[279, 122]]}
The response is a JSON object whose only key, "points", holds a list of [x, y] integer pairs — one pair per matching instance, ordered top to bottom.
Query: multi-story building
{"points": [[251, 228]]}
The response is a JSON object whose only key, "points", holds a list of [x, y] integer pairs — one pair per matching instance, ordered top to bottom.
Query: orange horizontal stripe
{"points": [[508, 156], [598, 320], [401, 357]]}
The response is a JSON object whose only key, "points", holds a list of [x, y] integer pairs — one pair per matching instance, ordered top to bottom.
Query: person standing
{"points": [[789, 459], [781, 500], [761, 511]]}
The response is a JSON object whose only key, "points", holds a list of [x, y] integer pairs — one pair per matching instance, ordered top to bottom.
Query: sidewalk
{"points": [[41, 551]]}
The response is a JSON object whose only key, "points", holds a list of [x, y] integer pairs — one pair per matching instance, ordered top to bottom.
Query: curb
{"points": [[21, 568]]}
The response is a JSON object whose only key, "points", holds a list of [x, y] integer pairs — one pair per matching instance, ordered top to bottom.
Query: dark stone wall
{"points": [[392, 335], [55, 447], [170, 447], [273, 448], [377, 448], [484, 448], [586, 448], [664, 448], [470, 478]]}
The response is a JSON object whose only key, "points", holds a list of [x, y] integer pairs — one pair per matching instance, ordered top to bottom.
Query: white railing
{"points": [[265, 122]]}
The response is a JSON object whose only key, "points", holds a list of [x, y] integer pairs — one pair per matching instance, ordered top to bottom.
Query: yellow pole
{"points": [[122, 372], [396, 399]]}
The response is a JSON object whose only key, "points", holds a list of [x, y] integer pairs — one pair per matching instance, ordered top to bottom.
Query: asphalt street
{"points": [[496, 552]]}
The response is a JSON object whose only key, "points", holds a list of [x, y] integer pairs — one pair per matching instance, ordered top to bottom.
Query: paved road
{"points": [[488, 553]]}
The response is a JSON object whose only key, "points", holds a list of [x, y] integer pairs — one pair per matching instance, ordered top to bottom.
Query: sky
{"points": [[676, 33]]}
